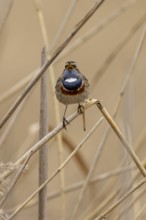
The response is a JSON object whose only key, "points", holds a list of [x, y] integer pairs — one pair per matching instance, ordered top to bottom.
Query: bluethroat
{"points": [[71, 87]]}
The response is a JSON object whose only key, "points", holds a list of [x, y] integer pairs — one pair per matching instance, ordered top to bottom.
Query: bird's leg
{"points": [[82, 111], [64, 120]]}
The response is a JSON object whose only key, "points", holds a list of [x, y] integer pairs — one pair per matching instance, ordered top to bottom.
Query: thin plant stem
{"points": [[38, 8], [7, 12], [64, 22], [96, 29], [131, 33], [136, 55], [130, 70], [30, 85], [14, 89], [56, 104], [11, 123], [46, 138], [122, 138], [140, 140], [43, 153], [58, 170], [91, 170], [126, 195], [107, 200], [131, 203], [140, 212]]}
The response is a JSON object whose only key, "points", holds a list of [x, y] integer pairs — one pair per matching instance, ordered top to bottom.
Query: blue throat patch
{"points": [[70, 80], [72, 83]]}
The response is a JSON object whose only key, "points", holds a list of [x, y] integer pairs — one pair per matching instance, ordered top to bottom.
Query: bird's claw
{"points": [[80, 109], [65, 122]]}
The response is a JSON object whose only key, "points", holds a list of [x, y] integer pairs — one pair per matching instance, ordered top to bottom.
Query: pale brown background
{"points": [[20, 48]]}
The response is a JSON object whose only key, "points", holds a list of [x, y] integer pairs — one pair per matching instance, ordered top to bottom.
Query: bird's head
{"points": [[70, 65]]}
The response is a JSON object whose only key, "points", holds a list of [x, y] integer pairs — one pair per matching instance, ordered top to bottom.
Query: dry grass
{"points": [[96, 174]]}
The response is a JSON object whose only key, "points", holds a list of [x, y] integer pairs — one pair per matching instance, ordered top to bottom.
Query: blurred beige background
{"points": [[21, 43]]}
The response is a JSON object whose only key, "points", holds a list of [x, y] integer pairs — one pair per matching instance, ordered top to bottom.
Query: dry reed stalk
{"points": [[43, 153]]}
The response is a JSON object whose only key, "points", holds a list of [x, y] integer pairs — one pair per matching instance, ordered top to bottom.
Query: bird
{"points": [[72, 87]]}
